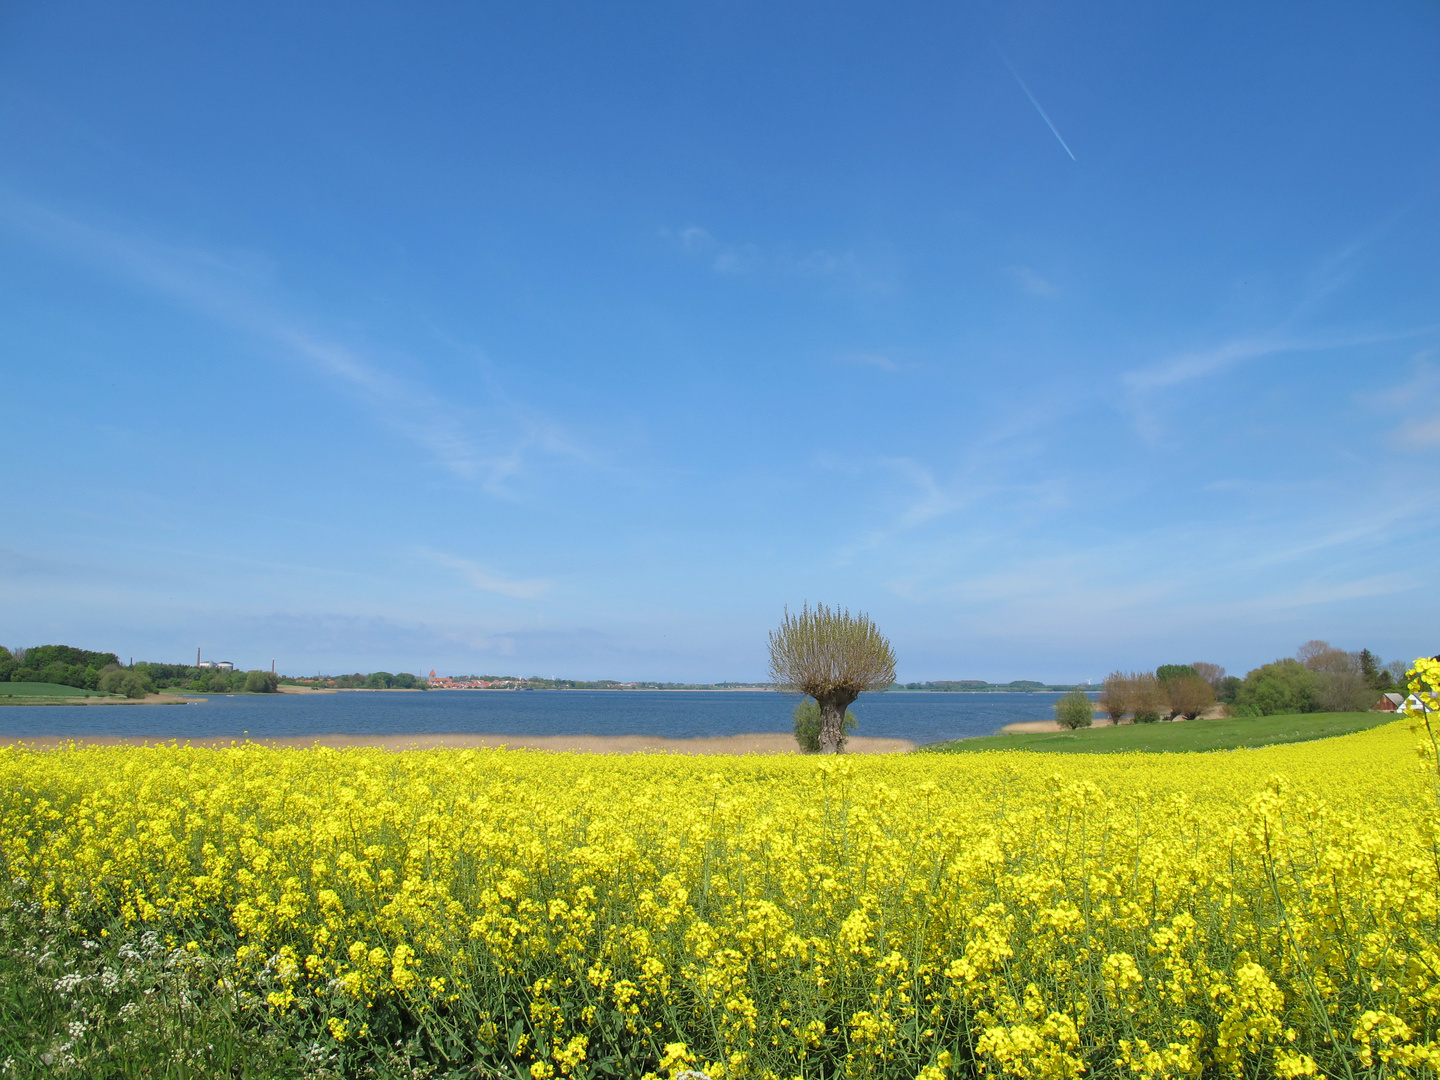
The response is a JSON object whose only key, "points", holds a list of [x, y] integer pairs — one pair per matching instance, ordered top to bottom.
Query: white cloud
{"points": [[487, 580]]}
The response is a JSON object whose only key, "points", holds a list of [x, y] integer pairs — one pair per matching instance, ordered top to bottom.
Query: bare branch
{"points": [[826, 652]]}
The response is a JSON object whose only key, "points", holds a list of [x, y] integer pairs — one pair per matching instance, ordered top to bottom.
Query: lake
{"points": [[919, 717]]}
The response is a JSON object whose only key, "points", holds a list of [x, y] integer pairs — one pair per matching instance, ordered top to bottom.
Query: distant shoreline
{"points": [[604, 689], [634, 690], [199, 697], [764, 743]]}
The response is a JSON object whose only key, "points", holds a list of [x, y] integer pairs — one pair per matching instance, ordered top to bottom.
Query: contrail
{"points": [[1048, 122]]}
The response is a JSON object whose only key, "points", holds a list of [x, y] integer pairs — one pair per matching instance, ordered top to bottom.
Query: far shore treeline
{"points": [[65, 665], [1319, 678]]}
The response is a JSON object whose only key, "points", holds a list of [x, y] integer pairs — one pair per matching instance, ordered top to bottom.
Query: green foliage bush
{"points": [[41, 656], [63, 665], [1166, 672], [166, 674], [261, 682], [135, 685], [1286, 686], [1075, 710], [807, 726]]}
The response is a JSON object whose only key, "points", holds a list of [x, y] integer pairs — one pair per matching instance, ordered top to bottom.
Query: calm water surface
{"points": [[919, 717]]}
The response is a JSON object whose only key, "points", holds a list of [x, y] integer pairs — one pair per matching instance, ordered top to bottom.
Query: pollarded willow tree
{"points": [[833, 656]]}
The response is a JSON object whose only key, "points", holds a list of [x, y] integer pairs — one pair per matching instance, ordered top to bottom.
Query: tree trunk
{"points": [[832, 718]]}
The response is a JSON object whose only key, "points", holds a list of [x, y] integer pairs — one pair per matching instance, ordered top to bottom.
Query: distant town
{"points": [[384, 680], [536, 682]]}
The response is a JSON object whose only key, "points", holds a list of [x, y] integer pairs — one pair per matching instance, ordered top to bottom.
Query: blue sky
{"points": [[580, 339]]}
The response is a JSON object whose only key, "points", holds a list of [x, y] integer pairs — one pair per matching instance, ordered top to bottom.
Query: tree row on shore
{"points": [[65, 665], [1319, 678]]}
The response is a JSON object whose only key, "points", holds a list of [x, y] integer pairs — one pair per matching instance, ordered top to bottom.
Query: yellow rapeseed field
{"points": [[1271, 912]]}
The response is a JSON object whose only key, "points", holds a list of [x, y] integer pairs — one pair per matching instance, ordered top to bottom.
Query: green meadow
{"points": [[36, 693], [1189, 736]]}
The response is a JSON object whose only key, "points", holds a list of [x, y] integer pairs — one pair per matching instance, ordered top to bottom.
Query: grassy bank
{"points": [[42, 693], [1190, 736]]}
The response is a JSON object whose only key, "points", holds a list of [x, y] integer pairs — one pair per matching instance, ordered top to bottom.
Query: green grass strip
{"points": [[45, 690], [1190, 736]]}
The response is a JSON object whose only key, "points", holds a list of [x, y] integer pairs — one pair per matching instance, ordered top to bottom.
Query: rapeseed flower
{"points": [[1267, 912]]}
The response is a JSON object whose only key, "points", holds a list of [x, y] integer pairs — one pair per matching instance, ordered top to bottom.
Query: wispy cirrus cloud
{"points": [[232, 287], [1183, 367], [1144, 386], [1411, 404], [1419, 433], [914, 494], [1219, 578], [485, 579]]}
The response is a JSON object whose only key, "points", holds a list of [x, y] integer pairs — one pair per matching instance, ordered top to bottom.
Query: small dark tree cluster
{"points": [[63, 665], [1382, 677], [1319, 678], [376, 680], [261, 682], [132, 684], [1284, 686], [1174, 691], [1186, 691]]}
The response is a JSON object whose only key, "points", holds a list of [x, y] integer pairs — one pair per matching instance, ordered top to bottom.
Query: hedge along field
{"points": [[1270, 912]]}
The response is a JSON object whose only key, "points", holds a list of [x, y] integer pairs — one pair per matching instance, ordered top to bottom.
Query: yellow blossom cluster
{"points": [[1271, 912]]}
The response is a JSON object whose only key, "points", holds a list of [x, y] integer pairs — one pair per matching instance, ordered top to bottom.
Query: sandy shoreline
{"points": [[1215, 712], [1050, 725], [760, 743]]}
